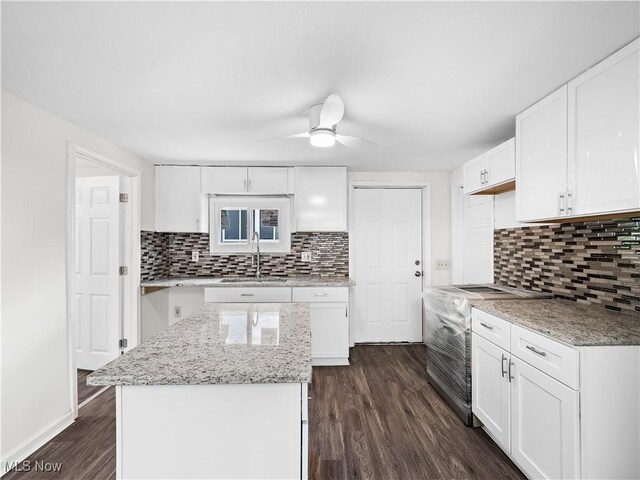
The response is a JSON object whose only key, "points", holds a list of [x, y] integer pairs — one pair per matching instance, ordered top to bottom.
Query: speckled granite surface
{"points": [[301, 281], [566, 321], [221, 343]]}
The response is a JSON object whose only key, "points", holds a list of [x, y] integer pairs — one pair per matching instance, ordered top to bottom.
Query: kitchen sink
{"points": [[252, 279]]}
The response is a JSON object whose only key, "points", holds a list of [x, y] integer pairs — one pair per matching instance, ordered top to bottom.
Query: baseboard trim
{"points": [[328, 362], [26, 448]]}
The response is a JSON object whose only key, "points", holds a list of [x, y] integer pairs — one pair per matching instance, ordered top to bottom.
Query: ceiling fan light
{"points": [[322, 139]]}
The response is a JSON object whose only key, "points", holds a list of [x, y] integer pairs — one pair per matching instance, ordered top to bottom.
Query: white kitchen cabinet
{"points": [[604, 129], [577, 149], [541, 158], [500, 163], [492, 172], [473, 174], [224, 180], [247, 180], [320, 199], [180, 207], [329, 333], [491, 392], [559, 411], [544, 422]]}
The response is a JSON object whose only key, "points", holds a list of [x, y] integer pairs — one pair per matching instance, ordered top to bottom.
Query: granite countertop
{"points": [[266, 281], [569, 322], [221, 343]]}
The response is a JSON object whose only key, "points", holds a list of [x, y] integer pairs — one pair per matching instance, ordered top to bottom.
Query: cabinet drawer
{"points": [[320, 294], [247, 295], [492, 328], [553, 358]]}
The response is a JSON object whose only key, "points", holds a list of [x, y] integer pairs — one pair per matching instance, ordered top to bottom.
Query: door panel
{"points": [[604, 130], [541, 158], [501, 163], [472, 173], [223, 180], [268, 181], [388, 242], [97, 276], [490, 388], [544, 418]]}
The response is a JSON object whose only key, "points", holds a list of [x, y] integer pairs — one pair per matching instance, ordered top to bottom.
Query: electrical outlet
{"points": [[195, 256], [306, 256], [442, 264], [177, 311]]}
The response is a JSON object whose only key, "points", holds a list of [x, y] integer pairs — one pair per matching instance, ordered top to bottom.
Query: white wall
{"points": [[440, 213], [157, 308], [35, 390]]}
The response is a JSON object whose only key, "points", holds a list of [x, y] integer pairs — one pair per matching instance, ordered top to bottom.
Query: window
{"points": [[236, 222]]}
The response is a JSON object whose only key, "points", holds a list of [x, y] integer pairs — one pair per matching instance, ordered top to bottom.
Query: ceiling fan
{"points": [[323, 120]]}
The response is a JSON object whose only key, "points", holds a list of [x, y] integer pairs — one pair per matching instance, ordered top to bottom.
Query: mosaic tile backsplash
{"points": [[169, 255], [594, 262]]}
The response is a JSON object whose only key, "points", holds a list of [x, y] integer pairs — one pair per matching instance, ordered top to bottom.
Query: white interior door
{"points": [[478, 239], [388, 243], [97, 276]]}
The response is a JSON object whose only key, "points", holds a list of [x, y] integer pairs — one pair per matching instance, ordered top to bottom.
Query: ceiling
{"points": [[433, 83]]}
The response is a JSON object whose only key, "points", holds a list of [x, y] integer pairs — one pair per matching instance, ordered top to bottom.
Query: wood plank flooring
{"points": [[85, 391], [376, 419], [380, 419]]}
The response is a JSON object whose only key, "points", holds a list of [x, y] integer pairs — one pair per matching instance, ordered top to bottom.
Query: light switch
{"points": [[195, 256], [306, 256], [442, 264]]}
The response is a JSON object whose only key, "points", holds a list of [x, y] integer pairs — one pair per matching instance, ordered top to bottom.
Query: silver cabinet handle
{"points": [[481, 177], [244, 184], [249, 184], [569, 203], [561, 204], [246, 294], [320, 294], [488, 327], [537, 352], [504, 372], [511, 377]]}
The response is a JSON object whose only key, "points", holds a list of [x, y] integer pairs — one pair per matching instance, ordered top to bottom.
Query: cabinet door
{"points": [[604, 126], [541, 158], [501, 163], [473, 174], [224, 179], [268, 180], [320, 199], [180, 207], [329, 332], [490, 388], [544, 419]]}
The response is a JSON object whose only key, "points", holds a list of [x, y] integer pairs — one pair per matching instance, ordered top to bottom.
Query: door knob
{"points": [[418, 273]]}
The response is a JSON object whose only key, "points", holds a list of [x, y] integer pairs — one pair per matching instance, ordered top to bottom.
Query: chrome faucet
{"points": [[256, 239]]}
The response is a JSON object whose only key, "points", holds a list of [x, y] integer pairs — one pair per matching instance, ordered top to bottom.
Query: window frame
{"points": [[219, 203]]}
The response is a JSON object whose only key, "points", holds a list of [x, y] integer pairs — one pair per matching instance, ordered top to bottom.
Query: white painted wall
{"points": [[440, 213], [457, 227], [157, 308], [35, 391]]}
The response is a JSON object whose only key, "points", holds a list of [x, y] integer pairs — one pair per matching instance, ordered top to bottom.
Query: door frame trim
{"points": [[426, 242], [131, 318]]}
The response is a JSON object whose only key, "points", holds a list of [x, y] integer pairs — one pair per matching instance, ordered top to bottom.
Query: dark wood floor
{"points": [[85, 392], [376, 419]]}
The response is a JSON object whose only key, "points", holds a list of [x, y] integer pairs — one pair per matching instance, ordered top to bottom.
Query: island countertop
{"points": [[569, 322], [221, 344]]}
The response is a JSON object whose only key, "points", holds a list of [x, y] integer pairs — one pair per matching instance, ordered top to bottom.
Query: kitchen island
{"points": [[220, 394]]}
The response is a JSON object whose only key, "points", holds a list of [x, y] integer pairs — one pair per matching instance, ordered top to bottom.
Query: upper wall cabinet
{"points": [[604, 110], [577, 149], [541, 158], [492, 172], [247, 180], [320, 199], [180, 207]]}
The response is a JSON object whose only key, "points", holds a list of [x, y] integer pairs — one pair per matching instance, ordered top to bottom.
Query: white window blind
{"points": [[478, 239]]}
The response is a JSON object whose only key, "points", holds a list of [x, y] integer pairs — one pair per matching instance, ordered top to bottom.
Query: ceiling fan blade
{"points": [[332, 111], [297, 135], [348, 141]]}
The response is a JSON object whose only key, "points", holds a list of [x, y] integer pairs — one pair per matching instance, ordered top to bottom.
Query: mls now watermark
{"points": [[35, 466]]}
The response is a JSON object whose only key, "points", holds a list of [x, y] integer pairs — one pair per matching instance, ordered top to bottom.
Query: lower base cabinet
{"points": [[329, 333], [559, 412], [544, 424]]}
